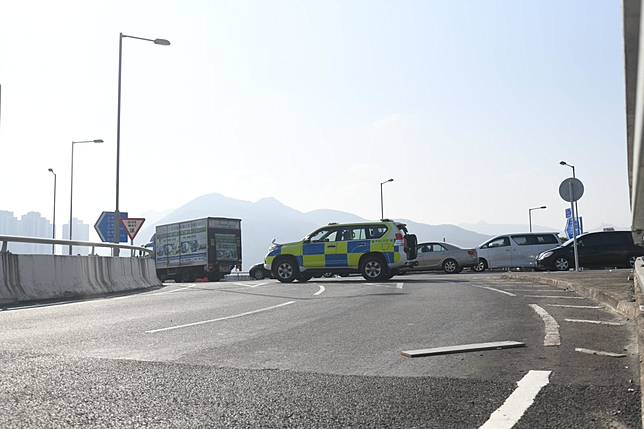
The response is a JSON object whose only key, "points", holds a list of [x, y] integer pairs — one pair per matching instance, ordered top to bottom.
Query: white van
{"points": [[514, 250]]}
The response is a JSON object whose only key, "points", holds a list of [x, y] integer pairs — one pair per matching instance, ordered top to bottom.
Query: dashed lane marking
{"points": [[399, 285], [174, 290], [495, 290], [320, 291], [593, 307], [234, 316], [596, 322], [552, 337], [598, 352], [508, 414]]}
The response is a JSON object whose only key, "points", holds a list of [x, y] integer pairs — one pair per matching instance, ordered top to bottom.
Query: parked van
{"points": [[514, 250]]}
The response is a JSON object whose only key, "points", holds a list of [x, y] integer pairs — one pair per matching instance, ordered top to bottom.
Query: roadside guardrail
{"points": [[136, 250]]}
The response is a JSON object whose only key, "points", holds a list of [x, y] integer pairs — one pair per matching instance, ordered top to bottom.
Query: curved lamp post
{"points": [[382, 211], [530, 214], [117, 216], [53, 225]]}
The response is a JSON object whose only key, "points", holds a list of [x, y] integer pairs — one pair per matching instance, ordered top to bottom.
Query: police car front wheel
{"points": [[374, 269], [285, 270]]}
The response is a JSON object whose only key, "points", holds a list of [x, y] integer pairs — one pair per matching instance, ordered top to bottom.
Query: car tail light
{"points": [[399, 236], [471, 252]]}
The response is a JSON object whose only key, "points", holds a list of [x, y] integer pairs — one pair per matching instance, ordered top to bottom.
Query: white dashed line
{"points": [[260, 284], [399, 285], [493, 289], [174, 290], [321, 290], [538, 290], [593, 307], [203, 322], [596, 322], [552, 337], [598, 352], [508, 414]]}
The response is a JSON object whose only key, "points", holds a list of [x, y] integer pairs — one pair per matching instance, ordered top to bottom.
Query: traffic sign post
{"points": [[572, 190], [105, 227]]}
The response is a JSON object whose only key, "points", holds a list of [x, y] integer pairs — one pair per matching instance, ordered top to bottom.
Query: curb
{"points": [[626, 308]]}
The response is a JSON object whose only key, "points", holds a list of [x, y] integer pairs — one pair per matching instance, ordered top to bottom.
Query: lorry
{"points": [[208, 247]]}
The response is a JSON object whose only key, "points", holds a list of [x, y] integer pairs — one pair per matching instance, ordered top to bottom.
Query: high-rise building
{"points": [[32, 224], [9, 226], [80, 231]]}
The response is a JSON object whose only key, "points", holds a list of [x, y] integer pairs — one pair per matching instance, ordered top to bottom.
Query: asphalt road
{"points": [[320, 354]]}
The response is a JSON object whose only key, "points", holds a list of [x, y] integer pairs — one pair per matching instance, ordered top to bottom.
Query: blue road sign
{"points": [[568, 213], [104, 226], [569, 231]]}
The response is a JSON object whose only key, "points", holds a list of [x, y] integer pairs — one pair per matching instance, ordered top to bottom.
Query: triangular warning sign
{"points": [[132, 225]]}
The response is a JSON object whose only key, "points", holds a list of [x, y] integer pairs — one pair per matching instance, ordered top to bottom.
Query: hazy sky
{"points": [[468, 105]]}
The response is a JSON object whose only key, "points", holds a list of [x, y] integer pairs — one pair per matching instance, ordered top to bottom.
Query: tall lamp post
{"points": [[71, 187], [382, 210], [530, 214], [575, 215], [117, 216], [53, 226]]}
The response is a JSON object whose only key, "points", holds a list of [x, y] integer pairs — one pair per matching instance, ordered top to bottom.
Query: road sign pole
{"points": [[574, 228]]}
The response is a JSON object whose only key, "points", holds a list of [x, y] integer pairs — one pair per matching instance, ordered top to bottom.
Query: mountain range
{"points": [[268, 219]]}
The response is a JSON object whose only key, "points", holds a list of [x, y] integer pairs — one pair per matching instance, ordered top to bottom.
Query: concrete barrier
{"points": [[38, 277]]}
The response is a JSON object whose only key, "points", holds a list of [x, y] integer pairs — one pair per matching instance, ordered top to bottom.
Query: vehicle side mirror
{"points": [[308, 240]]}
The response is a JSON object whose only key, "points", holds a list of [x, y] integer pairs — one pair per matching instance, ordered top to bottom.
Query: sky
{"points": [[468, 105]]}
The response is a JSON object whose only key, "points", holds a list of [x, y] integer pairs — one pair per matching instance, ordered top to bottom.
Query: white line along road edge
{"points": [[321, 290], [495, 290], [203, 322], [596, 322], [552, 337], [508, 414]]}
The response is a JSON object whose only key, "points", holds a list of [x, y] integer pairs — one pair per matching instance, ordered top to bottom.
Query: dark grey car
{"points": [[444, 256]]}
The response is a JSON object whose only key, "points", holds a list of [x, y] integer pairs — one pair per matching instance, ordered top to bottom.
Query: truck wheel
{"points": [[374, 268], [285, 270]]}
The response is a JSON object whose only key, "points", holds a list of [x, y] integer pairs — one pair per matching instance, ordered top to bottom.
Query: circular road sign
{"points": [[571, 189]]}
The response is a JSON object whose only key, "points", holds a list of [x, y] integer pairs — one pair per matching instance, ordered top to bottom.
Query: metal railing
{"points": [[6, 239]]}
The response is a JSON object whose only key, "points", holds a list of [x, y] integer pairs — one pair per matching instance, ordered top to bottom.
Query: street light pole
{"points": [[71, 187], [382, 211], [530, 214], [117, 216], [575, 216], [53, 226]]}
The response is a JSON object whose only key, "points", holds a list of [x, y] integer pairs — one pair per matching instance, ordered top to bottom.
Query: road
{"points": [[319, 354]]}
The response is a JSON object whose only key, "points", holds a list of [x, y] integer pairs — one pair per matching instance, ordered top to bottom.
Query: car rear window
{"points": [[375, 231]]}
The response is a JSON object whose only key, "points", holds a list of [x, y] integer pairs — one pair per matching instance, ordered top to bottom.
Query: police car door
{"points": [[321, 244]]}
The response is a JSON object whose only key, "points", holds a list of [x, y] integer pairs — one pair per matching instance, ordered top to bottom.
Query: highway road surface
{"points": [[326, 353]]}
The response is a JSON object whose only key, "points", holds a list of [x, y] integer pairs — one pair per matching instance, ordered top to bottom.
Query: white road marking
{"points": [[243, 284], [260, 284], [399, 285], [493, 289], [174, 290], [321, 290], [538, 290], [554, 296], [594, 307], [234, 316], [596, 322], [552, 337], [462, 348], [598, 352], [508, 414]]}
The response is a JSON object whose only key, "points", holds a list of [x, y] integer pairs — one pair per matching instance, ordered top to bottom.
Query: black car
{"points": [[596, 250], [258, 272]]}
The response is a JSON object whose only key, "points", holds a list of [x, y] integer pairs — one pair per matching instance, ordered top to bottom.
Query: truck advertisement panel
{"points": [[194, 243], [166, 245], [227, 246]]}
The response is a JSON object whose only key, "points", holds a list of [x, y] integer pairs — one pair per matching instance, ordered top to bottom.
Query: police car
{"points": [[377, 250]]}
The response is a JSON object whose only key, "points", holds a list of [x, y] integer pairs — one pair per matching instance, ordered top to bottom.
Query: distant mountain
{"points": [[266, 219], [498, 229]]}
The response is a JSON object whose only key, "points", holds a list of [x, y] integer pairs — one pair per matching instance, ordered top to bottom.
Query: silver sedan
{"points": [[444, 256]]}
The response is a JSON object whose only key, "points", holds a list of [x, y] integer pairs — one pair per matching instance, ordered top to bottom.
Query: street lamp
{"points": [[71, 187], [382, 212], [530, 214], [575, 215], [117, 216], [53, 226]]}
